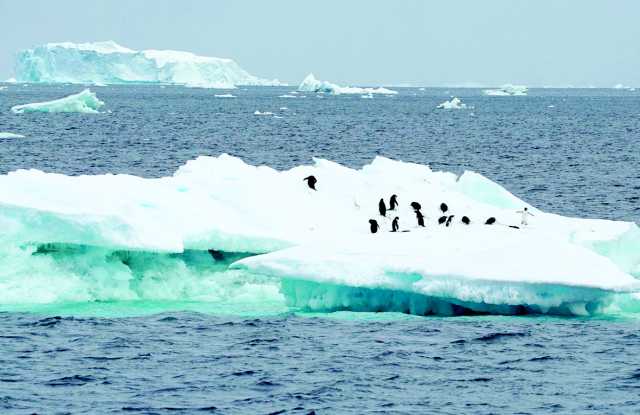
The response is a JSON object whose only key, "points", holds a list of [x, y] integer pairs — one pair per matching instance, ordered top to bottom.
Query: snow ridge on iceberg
{"points": [[110, 63], [126, 237]]}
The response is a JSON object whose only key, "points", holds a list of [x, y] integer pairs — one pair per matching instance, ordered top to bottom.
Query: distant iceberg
{"points": [[109, 63], [311, 84], [621, 86], [507, 90], [83, 102], [454, 104], [10, 135]]}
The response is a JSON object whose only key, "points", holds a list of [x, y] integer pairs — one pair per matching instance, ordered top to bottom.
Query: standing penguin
{"points": [[311, 182], [393, 202], [416, 206], [382, 208], [444, 208], [525, 212], [420, 218], [449, 219], [466, 220], [373, 224], [394, 225]]}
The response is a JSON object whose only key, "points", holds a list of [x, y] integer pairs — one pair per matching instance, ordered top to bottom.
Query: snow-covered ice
{"points": [[109, 63], [311, 84], [507, 90], [224, 96], [83, 102], [453, 104], [10, 135], [318, 243]]}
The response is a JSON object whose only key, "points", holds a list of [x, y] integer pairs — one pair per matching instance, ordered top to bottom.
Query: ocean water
{"points": [[569, 151]]}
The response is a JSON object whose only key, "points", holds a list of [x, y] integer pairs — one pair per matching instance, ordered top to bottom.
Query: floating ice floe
{"points": [[109, 63], [311, 84], [621, 86], [2, 88], [507, 90], [224, 96], [287, 96], [368, 96], [83, 102], [454, 104], [262, 113], [10, 135], [106, 237]]}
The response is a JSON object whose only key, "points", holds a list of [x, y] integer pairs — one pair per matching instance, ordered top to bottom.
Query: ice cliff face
{"points": [[109, 63]]}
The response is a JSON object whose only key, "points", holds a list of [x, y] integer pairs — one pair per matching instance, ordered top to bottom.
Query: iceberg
{"points": [[109, 63], [311, 84], [507, 90], [83, 102], [454, 104], [10, 135], [263, 234]]}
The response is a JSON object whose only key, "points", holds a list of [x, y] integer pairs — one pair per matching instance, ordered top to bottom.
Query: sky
{"points": [[372, 42]]}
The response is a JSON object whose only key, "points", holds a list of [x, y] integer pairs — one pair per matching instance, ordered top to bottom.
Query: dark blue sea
{"points": [[573, 152]]}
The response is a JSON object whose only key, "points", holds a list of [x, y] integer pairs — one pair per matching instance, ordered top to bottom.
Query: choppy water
{"points": [[574, 152]]}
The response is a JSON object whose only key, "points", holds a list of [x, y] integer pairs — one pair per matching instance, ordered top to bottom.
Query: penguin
{"points": [[311, 182], [393, 202], [416, 206], [382, 208], [444, 208], [420, 218], [449, 219], [442, 220], [465, 220], [490, 221], [373, 224], [394, 225], [514, 226]]}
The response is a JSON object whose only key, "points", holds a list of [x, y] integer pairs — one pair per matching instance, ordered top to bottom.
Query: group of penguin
{"points": [[445, 220]]}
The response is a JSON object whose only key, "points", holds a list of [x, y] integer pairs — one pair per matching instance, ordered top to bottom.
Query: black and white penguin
{"points": [[311, 182], [393, 202], [416, 206], [382, 208], [444, 208], [420, 218], [449, 219], [442, 220], [465, 220], [490, 221], [373, 224], [394, 225]]}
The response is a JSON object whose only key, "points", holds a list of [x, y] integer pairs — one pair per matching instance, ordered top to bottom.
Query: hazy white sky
{"points": [[461, 42]]}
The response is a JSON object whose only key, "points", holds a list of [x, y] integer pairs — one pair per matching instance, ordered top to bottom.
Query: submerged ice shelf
{"points": [[103, 63], [220, 221]]}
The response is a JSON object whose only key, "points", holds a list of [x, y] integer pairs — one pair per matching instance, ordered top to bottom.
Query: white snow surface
{"points": [[110, 63], [311, 84], [83, 102], [453, 104], [322, 237]]}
